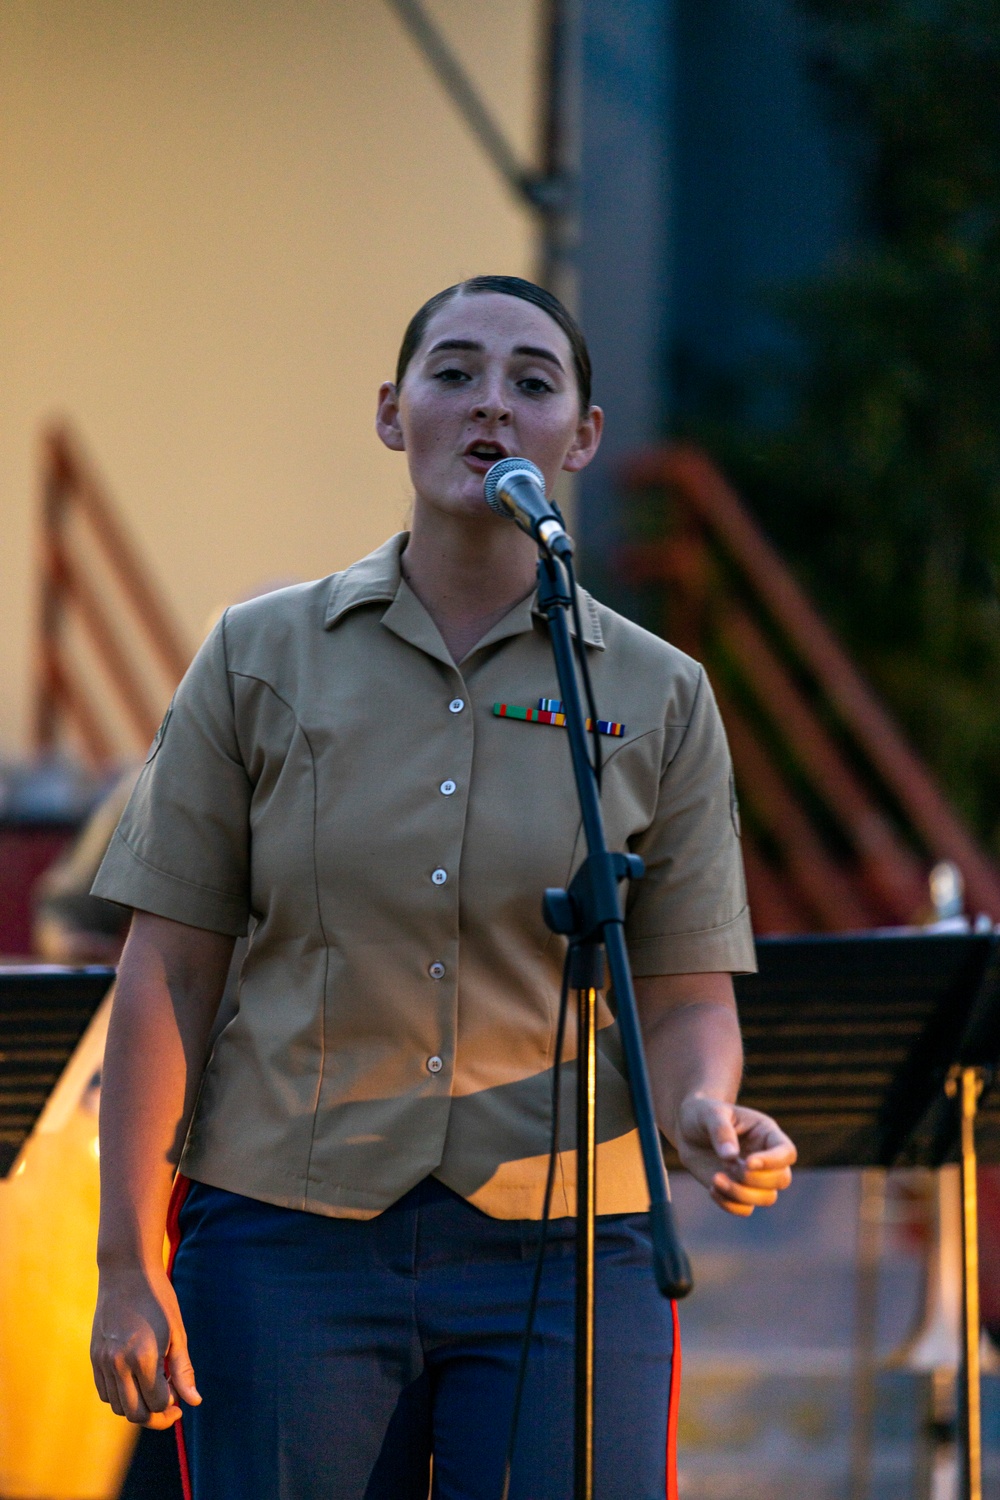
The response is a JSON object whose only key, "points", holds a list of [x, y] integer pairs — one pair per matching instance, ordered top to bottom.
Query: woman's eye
{"points": [[451, 375], [535, 385]]}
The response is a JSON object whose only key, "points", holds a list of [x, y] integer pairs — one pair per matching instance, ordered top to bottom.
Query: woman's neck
{"points": [[466, 575]]}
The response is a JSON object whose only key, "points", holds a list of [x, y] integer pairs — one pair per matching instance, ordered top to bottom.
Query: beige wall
{"points": [[215, 218]]}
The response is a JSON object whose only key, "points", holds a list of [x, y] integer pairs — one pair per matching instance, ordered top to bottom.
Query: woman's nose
{"points": [[491, 405], [485, 413]]}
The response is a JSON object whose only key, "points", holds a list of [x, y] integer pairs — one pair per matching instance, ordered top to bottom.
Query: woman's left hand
{"points": [[741, 1156]]}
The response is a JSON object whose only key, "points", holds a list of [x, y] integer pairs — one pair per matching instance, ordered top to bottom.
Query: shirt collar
{"points": [[374, 578], [378, 578], [590, 620]]}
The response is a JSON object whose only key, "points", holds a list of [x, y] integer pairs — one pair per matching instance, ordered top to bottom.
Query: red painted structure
{"points": [[78, 526], [96, 593], [842, 819], [26, 850]]}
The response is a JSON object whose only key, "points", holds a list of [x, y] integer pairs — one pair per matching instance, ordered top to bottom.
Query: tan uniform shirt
{"points": [[328, 775]]}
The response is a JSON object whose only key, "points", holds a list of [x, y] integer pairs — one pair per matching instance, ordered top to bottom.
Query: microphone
{"points": [[515, 488]]}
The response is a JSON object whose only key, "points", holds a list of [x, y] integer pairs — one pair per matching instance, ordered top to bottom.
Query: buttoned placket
{"points": [[407, 618], [453, 722], [452, 795]]}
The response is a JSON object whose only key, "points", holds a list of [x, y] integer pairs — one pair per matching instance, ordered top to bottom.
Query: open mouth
{"points": [[483, 454]]}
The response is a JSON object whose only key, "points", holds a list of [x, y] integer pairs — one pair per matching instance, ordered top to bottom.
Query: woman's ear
{"points": [[387, 423], [586, 442]]}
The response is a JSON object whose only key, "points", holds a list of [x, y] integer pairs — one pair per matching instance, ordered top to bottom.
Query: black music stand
{"points": [[44, 1011], [879, 1050]]}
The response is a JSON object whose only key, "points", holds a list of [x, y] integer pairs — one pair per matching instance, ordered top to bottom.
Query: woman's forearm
{"points": [[169, 984], [692, 1041]]}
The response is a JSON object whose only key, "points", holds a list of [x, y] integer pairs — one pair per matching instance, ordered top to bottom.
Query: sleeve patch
{"points": [[158, 737]]}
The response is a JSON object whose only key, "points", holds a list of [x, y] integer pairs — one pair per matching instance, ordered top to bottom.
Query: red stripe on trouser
{"points": [[177, 1196], [673, 1405]]}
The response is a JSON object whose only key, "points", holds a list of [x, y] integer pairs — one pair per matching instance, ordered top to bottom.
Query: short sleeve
{"points": [[181, 849], [689, 913]]}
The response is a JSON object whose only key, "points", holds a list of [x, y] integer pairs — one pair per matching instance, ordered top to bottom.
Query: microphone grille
{"points": [[500, 471]]}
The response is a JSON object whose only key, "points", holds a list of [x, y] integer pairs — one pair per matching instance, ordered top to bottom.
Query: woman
{"points": [[366, 1139]]}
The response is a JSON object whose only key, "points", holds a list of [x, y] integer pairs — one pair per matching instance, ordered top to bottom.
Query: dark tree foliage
{"points": [[883, 489]]}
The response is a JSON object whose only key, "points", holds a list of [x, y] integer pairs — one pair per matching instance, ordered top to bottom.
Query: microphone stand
{"points": [[590, 915]]}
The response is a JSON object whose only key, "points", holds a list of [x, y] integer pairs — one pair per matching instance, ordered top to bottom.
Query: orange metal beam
{"points": [[692, 476], [76, 478], [68, 486], [129, 688], [68, 698], [893, 874], [818, 881], [773, 907]]}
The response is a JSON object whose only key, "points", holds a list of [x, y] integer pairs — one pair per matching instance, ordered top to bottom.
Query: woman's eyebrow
{"points": [[454, 344], [534, 351]]}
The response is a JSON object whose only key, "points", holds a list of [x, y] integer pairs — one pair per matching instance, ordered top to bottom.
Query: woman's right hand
{"points": [[166, 996], [138, 1337]]}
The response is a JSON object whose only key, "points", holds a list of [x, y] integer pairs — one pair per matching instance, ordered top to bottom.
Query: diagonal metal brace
{"points": [[544, 194]]}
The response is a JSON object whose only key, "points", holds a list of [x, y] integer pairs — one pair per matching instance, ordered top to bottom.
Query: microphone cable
{"points": [[588, 689], [536, 1280]]}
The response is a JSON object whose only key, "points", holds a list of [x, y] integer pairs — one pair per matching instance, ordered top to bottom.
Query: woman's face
{"points": [[492, 378]]}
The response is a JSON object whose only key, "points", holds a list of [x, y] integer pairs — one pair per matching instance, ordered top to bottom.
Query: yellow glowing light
{"points": [[95, 1146], [20, 1169]]}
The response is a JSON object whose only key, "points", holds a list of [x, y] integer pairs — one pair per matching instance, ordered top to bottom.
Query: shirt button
{"points": [[456, 705], [447, 787], [439, 877], [436, 970], [434, 1064]]}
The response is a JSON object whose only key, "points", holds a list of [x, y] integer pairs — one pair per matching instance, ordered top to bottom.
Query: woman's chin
{"points": [[464, 503]]}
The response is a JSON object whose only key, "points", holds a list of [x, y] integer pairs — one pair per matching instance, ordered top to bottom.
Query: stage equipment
{"points": [[515, 488], [590, 915], [44, 1011], [878, 1051], [934, 1349]]}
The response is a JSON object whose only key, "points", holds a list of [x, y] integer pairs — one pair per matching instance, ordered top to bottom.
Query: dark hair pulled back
{"points": [[508, 286]]}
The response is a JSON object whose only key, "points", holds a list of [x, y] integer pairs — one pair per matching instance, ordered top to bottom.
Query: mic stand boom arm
{"points": [[590, 914]]}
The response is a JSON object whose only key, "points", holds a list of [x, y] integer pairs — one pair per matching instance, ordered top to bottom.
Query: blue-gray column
{"points": [[766, 180], [623, 250]]}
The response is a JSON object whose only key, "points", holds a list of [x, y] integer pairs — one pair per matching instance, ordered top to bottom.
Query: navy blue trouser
{"points": [[335, 1356]]}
